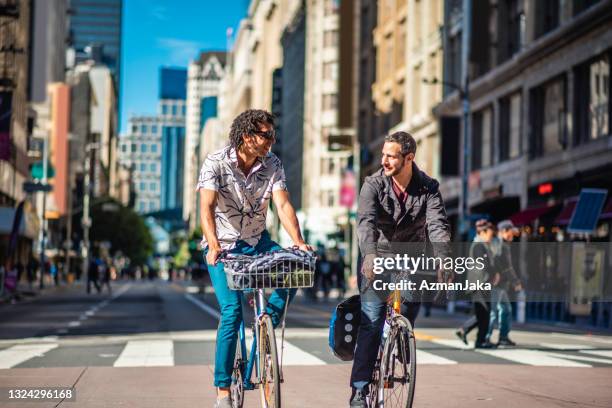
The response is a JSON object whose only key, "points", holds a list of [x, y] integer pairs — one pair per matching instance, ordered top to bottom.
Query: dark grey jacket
{"points": [[380, 219]]}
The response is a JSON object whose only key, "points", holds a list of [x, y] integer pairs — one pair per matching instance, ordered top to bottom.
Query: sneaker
{"points": [[462, 336], [506, 342], [485, 345], [358, 399], [223, 403]]}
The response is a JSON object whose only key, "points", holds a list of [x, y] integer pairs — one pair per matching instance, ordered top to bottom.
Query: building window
{"points": [[331, 6], [546, 16], [511, 23], [330, 38], [454, 63], [330, 70], [592, 100], [330, 101], [164, 109], [173, 110], [183, 110], [547, 110], [509, 127], [134, 129], [143, 129], [154, 129], [134, 147], [482, 147], [124, 148], [143, 148], [154, 148], [143, 167], [153, 167], [143, 186], [153, 186], [141, 206], [152, 206]]}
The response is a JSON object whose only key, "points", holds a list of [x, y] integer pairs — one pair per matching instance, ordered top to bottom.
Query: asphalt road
{"points": [[128, 348]]}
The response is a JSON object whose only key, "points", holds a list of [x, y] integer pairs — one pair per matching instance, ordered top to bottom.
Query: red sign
{"points": [[545, 188], [348, 189]]}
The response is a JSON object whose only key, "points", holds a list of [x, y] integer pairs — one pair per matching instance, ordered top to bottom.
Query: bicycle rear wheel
{"points": [[398, 366], [269, 377], [237, 387]]}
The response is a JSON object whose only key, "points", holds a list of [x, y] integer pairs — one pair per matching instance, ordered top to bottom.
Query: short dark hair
{"points": [[247, 123], [405, 140]]}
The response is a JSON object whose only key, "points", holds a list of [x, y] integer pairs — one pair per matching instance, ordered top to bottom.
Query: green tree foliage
{"points": [[123, 228]]}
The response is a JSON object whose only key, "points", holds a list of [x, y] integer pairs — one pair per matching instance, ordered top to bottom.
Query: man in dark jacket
{"points": [[398, 204]]}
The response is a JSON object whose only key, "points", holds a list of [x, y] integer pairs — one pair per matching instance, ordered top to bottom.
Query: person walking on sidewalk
{"points": [[235, 187], [399, 203], [481, 248], [501, 309]]}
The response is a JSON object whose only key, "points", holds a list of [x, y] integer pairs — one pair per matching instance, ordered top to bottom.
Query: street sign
{"points": [[37, 170], [30, 187]]}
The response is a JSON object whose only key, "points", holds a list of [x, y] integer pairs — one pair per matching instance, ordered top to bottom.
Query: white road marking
{"points": [[203, 306], [74, 324], [582, 337], [458, 344], [561, 346], [146, 353], [603, 353], [16, 355], [293, 355], [424, 357], [530, 357], [581, 358]]}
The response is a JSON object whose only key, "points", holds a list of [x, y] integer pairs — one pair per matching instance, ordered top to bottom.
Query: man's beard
{"points": [[394, 172]]}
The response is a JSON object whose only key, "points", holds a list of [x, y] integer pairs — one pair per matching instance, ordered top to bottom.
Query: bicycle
{"points": [[255, 275], [394, 377]]}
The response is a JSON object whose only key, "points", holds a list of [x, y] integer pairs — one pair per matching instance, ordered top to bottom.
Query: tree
{"points": [[123, 228]]}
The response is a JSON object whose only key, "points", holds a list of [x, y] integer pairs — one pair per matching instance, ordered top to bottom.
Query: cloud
{"points": [[180, 52]]}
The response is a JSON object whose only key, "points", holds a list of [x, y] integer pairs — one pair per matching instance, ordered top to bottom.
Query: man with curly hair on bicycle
{"points": [[235, 187], [398, 204]]}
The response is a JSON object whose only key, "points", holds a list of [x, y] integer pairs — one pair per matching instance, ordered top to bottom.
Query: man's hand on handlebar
{"points": [[304, 247], [213, 254], [367, 268], [445, 276]]}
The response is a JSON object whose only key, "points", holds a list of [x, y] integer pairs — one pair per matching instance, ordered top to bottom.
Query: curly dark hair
{"points": [[247, 123], [405, 140]]}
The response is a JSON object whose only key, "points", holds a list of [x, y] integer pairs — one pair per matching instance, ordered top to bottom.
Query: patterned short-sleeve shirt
{"points": [[242, 202]]}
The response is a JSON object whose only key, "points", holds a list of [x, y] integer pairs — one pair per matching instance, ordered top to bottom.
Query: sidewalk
{"points": [[468, 385]]}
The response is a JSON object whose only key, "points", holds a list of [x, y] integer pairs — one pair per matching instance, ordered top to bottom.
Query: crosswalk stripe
{"points": [[457, 344], [561, 346], [146, 353], [603, 353], [15, 355], [293, 355], [423, 357], [531, 357], [581, 358]]}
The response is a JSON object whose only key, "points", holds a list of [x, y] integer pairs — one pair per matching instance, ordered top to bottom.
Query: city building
{"points": [[95, 33], [203, 78], [292, 104], [171, 118], [140, 151], [324, 159]]}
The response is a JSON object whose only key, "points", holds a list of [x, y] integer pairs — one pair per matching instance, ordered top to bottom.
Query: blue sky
{"points": [[167, 33]]}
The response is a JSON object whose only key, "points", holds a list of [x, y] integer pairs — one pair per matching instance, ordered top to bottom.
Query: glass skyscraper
{"points": [[95, 32]]}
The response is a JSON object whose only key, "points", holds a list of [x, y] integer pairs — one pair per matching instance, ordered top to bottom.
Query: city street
{"points": [[152, 344]]}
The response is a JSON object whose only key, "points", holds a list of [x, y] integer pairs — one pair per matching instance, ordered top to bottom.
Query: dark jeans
{"points": [[373, 310], [480, 320]]}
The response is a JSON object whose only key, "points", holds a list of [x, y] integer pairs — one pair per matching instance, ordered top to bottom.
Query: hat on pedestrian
{"points": [[483, 224], [506, 225]]}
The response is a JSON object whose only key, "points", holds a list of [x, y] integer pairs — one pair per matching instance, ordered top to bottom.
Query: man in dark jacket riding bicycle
{"points": [[398, 204]]}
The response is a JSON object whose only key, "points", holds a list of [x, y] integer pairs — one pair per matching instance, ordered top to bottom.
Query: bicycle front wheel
{"points": [[398, 366], [269, 377]]}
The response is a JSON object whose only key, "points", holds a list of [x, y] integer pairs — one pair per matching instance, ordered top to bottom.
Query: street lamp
{"points": [[463, 199], [86, 220]]}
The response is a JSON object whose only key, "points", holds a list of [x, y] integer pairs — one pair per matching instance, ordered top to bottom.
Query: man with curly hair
{"points": [[235, 185]]}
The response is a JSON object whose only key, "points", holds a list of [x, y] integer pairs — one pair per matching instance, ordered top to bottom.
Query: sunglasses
{"points": [[269, 134]]}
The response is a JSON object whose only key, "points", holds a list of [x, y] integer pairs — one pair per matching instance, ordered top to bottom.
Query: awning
{"points": [[606, 213], [529, 215], [565, 215], [29, 222]]}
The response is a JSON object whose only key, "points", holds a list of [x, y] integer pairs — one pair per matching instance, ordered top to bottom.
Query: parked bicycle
{"points": [[285, 269]]}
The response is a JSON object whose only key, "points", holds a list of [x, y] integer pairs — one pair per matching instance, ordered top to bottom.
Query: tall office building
{"points": [[95, 32], [204, 76], [172, 109]]}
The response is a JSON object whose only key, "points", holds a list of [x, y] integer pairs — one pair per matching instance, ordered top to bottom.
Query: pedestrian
{"points": [[399, 203], [481, 249], [323, 270], [31, 271], [338, 271], [105, 274], [92, 275], [501, 309]]}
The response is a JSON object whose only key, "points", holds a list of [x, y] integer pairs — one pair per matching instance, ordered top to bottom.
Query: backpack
{"points": [[343, 328]]}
